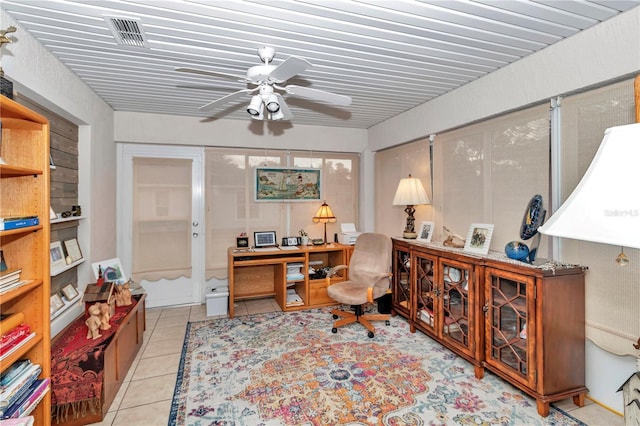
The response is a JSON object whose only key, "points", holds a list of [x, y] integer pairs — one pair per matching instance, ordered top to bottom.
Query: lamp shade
{"points": [[410, 192], [605, 206], [324, 214]]}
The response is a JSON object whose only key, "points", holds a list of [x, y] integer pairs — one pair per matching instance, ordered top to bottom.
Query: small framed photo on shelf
{"points": [[52, 214], [425, 232], [479, 238], [73, 249], [57, 256], [69, 292], [56, 303]]}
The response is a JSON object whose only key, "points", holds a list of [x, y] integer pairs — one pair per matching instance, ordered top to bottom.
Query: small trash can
{"points": [[217, 301], [384, 303]]}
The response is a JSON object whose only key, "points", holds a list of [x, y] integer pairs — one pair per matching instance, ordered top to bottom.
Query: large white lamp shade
{"points": [[605, 206]]}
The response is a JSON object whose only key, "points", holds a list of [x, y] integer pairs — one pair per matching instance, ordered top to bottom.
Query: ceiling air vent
{"points": [[127, 31]]}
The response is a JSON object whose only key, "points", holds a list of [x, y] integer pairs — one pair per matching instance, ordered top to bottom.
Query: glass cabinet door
{"points": [[456, 284], [426, 292], [401, 293], [510, 322]]}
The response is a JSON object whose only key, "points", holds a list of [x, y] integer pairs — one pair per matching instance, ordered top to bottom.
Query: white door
{"points": [[160, 233]]}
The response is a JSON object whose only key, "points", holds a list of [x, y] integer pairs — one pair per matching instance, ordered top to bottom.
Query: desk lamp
{"points": [[410, 193], [605, 206], [324, 215]]}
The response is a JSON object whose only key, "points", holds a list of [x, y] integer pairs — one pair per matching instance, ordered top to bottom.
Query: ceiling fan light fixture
{"points": [[272, 103], [255, 107]]}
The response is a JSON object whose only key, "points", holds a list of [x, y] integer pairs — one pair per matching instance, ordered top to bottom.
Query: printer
{"points": [[348, 234]]}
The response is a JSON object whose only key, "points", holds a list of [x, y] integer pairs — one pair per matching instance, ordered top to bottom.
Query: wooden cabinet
{"points": [[24, 191], [284, 274], [523, 322]]}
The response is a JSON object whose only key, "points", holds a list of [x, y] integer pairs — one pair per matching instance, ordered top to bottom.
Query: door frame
{"points": [[124, 216]]}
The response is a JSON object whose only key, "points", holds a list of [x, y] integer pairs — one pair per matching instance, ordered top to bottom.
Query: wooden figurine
{"points": [[126, 294], [119, 295], [105, 316], [93, 322]]}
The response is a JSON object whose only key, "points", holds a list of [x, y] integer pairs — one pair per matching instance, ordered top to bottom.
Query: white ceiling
{"points": [[387, 55]]}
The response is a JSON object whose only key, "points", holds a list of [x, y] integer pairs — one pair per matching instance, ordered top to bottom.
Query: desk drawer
{"points": [[254, 280], [318, 293]]}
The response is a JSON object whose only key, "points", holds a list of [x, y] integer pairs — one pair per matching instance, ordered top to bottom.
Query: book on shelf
{"points": [[8, 223], [10, 275], [4, 289], [293, 299], [10, 321], [14, 339], [12, 373], [19, 387], [34, 394], [18, 421]]}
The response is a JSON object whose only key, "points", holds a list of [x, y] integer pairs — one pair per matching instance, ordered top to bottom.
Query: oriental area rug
{"points": [[290, 369]]}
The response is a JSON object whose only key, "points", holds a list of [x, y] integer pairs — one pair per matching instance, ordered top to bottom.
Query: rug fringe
{"points": [[75, 410]]}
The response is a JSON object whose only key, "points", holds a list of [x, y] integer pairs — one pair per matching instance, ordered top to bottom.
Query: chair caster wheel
{"points": [[335, 316], [387, 323], [334, 330], [370, 334]]}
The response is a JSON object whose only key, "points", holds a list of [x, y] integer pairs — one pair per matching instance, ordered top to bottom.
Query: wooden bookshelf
{"points": [[24, 190]]}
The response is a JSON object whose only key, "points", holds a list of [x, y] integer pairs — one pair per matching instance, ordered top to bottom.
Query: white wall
{"points": [[604, 53], [42, 78], [134, 127]]}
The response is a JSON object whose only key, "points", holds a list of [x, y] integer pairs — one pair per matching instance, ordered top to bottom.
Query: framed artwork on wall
{"points": [[287, 184], [479, 238], [57, 256]]}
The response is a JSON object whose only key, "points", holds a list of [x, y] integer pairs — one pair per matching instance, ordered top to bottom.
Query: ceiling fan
{"points": [[267, 102]]}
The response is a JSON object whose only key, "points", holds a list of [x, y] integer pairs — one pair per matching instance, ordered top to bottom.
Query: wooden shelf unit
{"points": [[24, 190], [256, 274], [525, 323]]}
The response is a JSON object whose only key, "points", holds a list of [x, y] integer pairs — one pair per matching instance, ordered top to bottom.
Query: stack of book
{"points": [[15, 222], [294, 272], [10, 279], [293, 299], [15, 336], [21, 390]]}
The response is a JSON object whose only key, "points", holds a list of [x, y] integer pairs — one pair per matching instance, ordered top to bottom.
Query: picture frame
{"points": [[287, 184], [52, 214], [425, 232], [479, 238], [264, 239], [73, 249], [57, 256], [112, 271], [69, 292], [56, 303]]}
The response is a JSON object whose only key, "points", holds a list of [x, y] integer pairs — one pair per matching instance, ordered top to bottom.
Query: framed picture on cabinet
{"points": [[425, 232], [479, 238], [57, 256], [112, 271]]}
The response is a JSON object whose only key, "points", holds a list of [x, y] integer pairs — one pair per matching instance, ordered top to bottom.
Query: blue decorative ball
{"points": [[517, 250]]}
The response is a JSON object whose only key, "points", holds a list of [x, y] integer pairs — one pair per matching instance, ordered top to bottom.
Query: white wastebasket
{"points": [[217, 301]]}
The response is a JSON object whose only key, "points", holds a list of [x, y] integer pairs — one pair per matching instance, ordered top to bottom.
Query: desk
{"points": [[256, 274]]}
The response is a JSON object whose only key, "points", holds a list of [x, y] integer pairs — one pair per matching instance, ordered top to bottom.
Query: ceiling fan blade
{"points": [[290, 67], [212, 74], [318, 95], [223, 100], [284, 108]]}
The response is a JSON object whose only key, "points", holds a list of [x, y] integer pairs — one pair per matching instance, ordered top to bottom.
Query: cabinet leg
{"points": [[412, 328], [479, 371], [579, 400], [543, 408]]}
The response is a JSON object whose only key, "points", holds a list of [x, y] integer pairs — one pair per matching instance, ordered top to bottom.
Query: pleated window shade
{"points": [[394, 164], [487, 172], [230, 193], [612, 292]]}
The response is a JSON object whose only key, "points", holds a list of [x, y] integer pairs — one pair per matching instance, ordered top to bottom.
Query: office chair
{"points": [[368, 280]]}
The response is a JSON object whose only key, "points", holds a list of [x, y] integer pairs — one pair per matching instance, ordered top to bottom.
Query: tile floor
{"points": [[145, 396]]}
